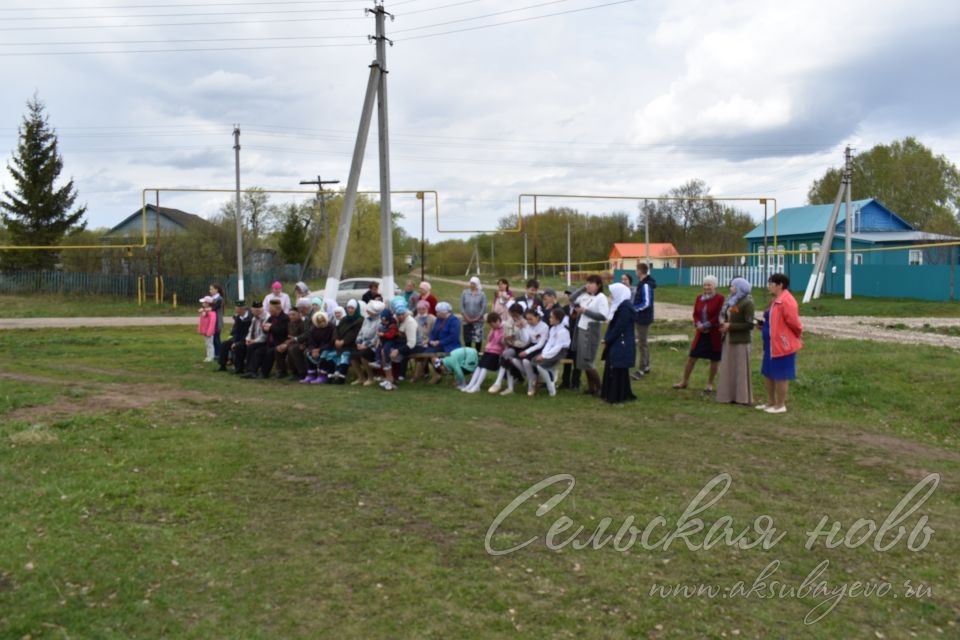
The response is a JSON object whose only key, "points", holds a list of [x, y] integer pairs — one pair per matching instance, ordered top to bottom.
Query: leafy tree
{"points": [[907, 177], [37, 212], [259, 216]]}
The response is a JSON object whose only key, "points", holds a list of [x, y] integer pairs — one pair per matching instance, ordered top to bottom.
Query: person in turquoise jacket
{"points": [[460, 361]]}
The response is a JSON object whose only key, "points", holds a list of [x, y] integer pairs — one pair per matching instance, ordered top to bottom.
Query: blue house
{"points": [[171, 221], [874, 226]]}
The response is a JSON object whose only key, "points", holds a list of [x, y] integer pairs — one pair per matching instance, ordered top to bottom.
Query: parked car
{"points": [[351, 288]]}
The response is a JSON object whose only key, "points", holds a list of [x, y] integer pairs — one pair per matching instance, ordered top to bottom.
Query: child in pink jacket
{"points": [[207, 325], [490, 360]]}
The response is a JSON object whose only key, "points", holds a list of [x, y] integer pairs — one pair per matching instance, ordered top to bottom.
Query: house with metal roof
{"points": [[170, 220], [874, 227], [627, 255]]}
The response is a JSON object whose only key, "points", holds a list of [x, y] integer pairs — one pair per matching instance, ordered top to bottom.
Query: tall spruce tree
{"points": [[37, 212]]}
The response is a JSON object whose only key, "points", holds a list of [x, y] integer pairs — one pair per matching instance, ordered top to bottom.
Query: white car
{"points": [[351, 288]]}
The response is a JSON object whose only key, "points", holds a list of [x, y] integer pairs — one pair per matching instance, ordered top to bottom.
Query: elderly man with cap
{"points": [[276, 293], [473, 307], [274, 328], [256, 341], [235, 348]]}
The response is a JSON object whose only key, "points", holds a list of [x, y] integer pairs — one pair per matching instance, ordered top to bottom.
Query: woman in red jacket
{"points": [[781, 329], [707, 341]]}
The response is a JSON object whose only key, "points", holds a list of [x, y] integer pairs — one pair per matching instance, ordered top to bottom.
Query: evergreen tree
{"points": [[37, 212], [292, 240]]}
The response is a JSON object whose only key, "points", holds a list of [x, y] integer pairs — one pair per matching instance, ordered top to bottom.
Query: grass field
{"points": [[145, 496]]}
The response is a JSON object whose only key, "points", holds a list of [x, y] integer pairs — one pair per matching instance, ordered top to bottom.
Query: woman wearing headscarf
{"points": [[426, 294], [473, 306], [593, 309], [736, 325], [781, 330], [707, 341], [620, 347], [336, 361]]}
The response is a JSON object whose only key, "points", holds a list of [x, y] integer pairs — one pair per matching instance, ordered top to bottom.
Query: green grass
{"points": [[834, 305], [79, 306], [144, 496]]}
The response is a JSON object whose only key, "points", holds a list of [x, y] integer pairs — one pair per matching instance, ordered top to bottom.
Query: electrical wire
{"points": [[184, 5], [186, 15], [480, 17], [518, 20], [178, 24], [177, 41], [192, 50]]}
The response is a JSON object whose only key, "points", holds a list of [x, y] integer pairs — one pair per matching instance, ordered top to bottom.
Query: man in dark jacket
{"points": [[643, 306], [235, 348], [262, 354], [287, 365]]}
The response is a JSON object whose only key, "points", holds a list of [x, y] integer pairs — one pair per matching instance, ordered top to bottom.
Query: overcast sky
{"points": [[755, 98]]}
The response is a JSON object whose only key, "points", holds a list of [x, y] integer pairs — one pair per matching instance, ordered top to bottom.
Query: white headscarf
{"points": [[619, 293]]}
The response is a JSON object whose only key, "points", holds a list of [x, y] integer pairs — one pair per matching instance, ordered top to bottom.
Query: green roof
{"points": [[808, 220]]}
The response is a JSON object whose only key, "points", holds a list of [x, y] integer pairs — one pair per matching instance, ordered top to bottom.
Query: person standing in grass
{"points": [[216, 292], [473, 305], [592, 306], [643, 306], [737, 320], [207, 325], [781, 330], [707, 341], [619, 351]]}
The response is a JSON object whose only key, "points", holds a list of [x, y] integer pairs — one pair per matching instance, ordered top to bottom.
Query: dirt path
{"points": [[117, 321], [853, 327]]}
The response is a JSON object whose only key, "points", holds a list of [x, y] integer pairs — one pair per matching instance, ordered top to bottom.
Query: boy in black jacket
{"points": [[235, 349]]}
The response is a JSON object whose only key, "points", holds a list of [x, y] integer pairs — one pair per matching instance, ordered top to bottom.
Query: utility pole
{"points": [[376, 84], [386, 215], [239, 217], [323, 219], [848, 227], [646, 231], [423, 234], [536, 239], [524, 255], [493, 263], [569, 282], [815, 284]]}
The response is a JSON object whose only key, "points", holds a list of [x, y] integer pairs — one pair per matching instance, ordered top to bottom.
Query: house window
{"points": [[760, 256], [780, 256], [915, 256], [802, 257], [857, 258]]}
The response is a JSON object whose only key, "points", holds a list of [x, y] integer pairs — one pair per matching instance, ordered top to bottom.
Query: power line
{"points": [[184, 5], [444, 6], [185, 15], [480, 17], [176, 24], [501, 24], [177, 41], [192, 50]]}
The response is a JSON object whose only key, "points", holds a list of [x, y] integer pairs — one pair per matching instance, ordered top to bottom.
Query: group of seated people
{"points": [[411, 337]]}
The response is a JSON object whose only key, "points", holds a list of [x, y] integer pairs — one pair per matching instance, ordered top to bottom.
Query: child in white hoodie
{"points": [[538, 332], [545, 363]]}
